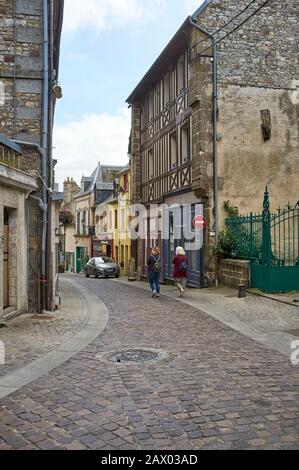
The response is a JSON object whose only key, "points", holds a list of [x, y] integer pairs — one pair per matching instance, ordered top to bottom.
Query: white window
{"points": [[181, 74], [166, 89], [151, 106], [144, 119], [185, 144], [173, 151], [151, 163], [122, 219], [78, 223]]}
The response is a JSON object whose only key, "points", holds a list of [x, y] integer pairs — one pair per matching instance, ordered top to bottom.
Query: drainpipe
{"points": [[14, 69], [215, 141], [45, 146]]}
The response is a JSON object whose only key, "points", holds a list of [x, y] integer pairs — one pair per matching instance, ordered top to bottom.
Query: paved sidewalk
{"points": [[267, 321], [27, 339], [213, 388]]}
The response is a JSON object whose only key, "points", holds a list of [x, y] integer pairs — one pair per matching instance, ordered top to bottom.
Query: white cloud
{"points": [[192, 5], [106, 14], [80, 145]]}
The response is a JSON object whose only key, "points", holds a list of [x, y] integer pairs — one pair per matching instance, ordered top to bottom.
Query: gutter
{"points": [[46, 243]]}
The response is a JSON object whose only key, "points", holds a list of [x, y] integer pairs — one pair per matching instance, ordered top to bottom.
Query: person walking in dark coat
{"points": [[181, 266], [154, 268]]}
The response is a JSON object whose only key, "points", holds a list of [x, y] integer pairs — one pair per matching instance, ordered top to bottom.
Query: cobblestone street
{"points": [[213, 388]]}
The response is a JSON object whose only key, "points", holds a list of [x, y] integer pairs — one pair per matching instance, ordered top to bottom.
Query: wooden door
{"points": [[6, 267]]}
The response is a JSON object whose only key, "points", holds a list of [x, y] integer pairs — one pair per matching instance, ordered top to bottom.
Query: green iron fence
{"points": [[271, 242]]}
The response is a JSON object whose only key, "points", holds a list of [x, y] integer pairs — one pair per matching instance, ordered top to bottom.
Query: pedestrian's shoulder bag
{"points": [[183, 266], [157, 267]]}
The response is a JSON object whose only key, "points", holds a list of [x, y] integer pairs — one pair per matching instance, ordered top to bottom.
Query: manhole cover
{"points": [[133, 355]]}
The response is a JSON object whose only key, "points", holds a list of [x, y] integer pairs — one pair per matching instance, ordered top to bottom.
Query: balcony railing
{"points": [[174, 112], [9, 157], [174, 180]]}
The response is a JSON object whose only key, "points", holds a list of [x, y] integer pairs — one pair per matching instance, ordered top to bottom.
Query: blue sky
{"points": [[107, 46]]}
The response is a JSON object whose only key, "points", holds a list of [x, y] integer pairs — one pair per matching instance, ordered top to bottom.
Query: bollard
{"points": [[242, 291]]}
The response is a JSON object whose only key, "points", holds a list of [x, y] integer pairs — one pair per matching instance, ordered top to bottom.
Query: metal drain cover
{"points": [[133, 355]]}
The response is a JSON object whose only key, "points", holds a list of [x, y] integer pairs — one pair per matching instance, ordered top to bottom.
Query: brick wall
{"points": [[232, 272]]}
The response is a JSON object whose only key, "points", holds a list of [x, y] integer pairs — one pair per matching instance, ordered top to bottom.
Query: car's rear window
{"points": [[104, 260]]}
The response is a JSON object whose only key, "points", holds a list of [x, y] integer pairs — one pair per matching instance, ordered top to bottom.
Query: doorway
{"points": [[80, 255], [6, 260]]}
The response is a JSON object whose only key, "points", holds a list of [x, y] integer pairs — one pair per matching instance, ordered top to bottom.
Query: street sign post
{"points": [[199, 222]]}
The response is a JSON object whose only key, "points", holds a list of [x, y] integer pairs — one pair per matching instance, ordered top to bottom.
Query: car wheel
{"points": [[86, 274], [96, 276], [117, 276]]}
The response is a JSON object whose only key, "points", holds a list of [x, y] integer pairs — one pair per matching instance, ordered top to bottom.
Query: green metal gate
{"points": [[271, 242], [80, 258]]}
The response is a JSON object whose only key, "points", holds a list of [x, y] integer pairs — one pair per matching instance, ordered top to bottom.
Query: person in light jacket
{"points": [[181, 266]]}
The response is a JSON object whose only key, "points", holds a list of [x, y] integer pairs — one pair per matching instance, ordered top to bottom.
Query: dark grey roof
{"points": [[201, 9], [10, 144], [97, 179], [105, 185], [57, 196]]}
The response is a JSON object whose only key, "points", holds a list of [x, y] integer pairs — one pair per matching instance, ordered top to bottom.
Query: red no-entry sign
{"points": [[199, 222]]}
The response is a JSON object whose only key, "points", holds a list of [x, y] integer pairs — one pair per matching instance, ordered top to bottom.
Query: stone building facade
{"points": [[29, 63], [241, 99], [15, 189], [95, 190], [68, 228]]}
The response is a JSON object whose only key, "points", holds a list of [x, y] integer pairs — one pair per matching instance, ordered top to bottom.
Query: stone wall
{"points": [[264, 51], [21, 69], [22, 74], [200, 100], [258, 103], [136, 153], [247, 163], [70, 189], [232, 272]]}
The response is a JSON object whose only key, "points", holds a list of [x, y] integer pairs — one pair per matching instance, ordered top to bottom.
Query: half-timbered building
{"points": [[215, 119], [162, 165]]}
